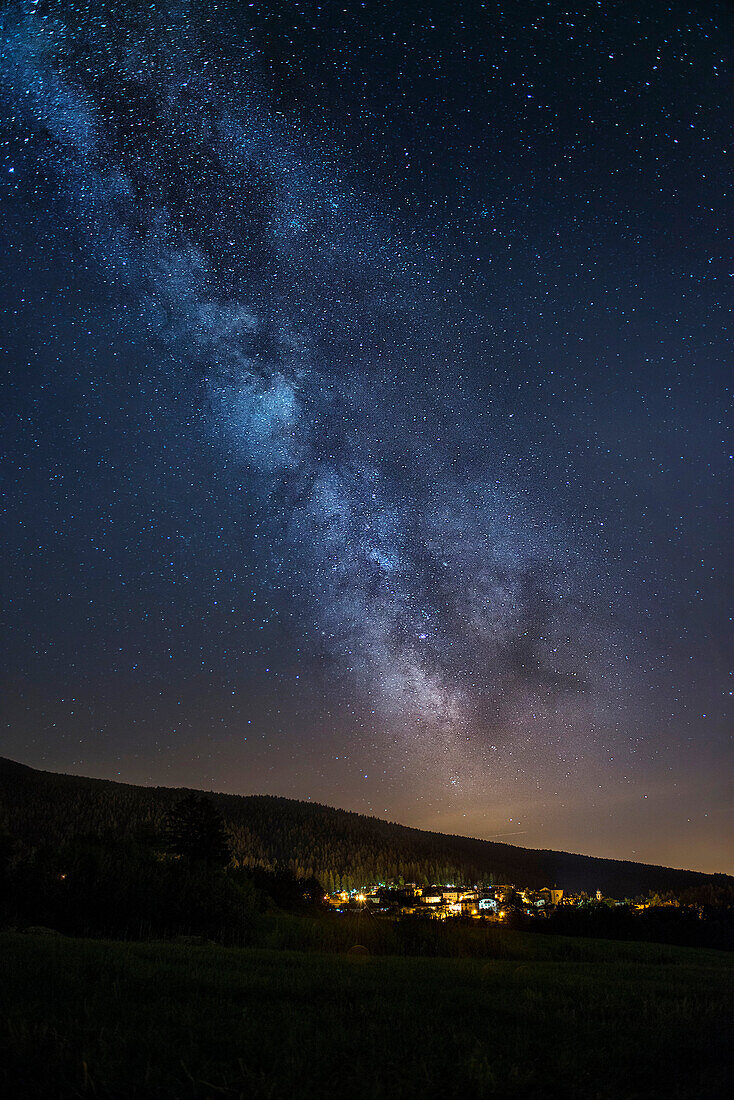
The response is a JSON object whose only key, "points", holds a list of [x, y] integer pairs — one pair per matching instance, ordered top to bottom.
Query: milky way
{"points": [[398, 463]]}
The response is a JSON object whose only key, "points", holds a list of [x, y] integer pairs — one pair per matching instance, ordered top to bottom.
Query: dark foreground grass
{"points": [[101, 1019]]}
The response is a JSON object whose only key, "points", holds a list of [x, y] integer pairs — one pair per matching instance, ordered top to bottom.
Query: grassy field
{"points": [[537, 1017]]}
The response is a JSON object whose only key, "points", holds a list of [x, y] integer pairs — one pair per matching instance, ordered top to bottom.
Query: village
{"points": [[451, 901]]}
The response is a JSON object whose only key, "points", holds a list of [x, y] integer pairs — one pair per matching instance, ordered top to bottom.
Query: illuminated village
{"points": [[449, 901]]}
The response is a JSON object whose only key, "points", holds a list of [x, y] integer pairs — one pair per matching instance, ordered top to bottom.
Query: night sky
{"points": [[364, 409]]}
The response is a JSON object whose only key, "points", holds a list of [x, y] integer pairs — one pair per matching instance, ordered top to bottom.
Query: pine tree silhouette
{"points": [[194, 831]]}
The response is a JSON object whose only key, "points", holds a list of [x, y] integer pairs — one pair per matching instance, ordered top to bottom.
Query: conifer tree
{"points": [[194, 831]]}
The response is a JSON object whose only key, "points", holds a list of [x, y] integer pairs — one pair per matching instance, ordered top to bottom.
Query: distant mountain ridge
{"points": [[339, 847]]}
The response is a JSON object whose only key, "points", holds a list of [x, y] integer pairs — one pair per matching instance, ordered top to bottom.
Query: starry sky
{"points": [[365, 410]]}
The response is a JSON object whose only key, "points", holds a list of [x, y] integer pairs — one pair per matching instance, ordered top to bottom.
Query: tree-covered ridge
{"points": [[338, 847]]}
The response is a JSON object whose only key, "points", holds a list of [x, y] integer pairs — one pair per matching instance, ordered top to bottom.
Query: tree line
{"points": [[180, 880]]}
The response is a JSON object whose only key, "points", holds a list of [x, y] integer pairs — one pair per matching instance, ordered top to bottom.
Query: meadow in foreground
{"points": [[109, 1019]]}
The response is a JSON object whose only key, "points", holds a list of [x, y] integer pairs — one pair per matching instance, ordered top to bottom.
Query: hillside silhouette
{"points": [[338, 847]]}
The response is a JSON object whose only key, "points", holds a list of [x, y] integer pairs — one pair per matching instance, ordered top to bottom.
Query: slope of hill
{"points": [[339, 847]]}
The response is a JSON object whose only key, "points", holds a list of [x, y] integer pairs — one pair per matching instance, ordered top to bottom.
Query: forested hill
{"points": [[340, 848]]}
